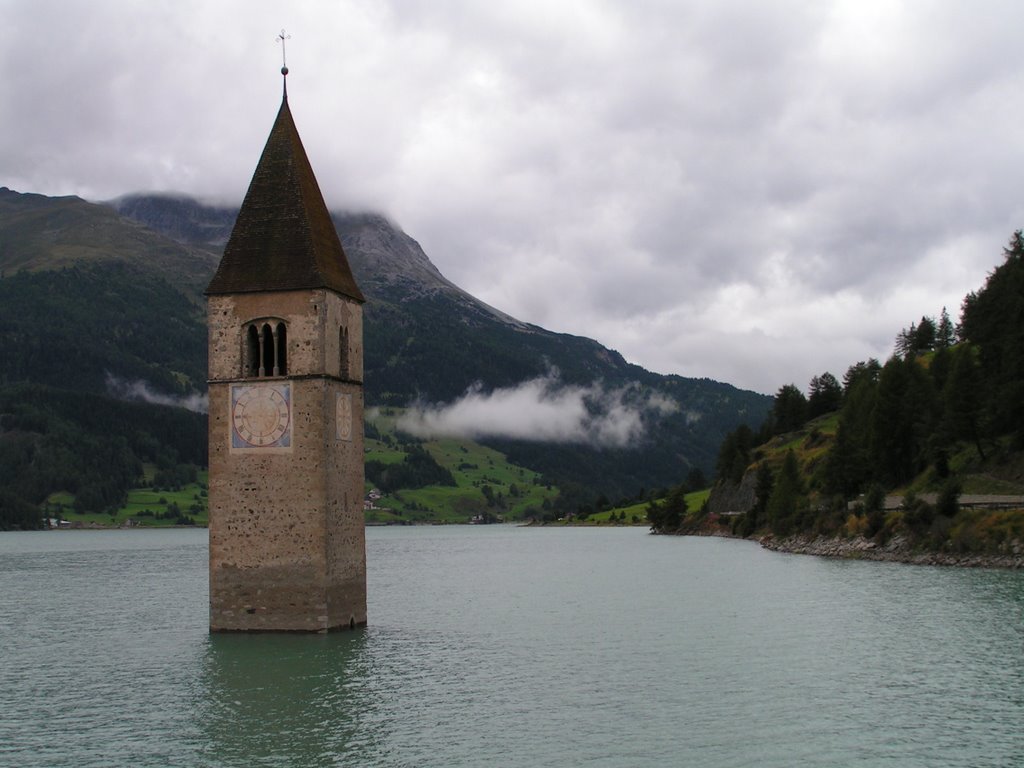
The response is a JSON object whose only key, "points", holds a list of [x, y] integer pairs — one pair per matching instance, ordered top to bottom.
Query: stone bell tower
{"points": [[287, 543]]}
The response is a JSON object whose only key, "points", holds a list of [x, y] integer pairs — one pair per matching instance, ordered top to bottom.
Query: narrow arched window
{"points": [[281, 342], [266, 349], [252, 352], [268, 358], [343, 371]]}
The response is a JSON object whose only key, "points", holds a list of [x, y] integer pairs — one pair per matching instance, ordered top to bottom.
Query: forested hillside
{"points": [[104, 302], [93, 309], [79, 326], [428, 341], [942, 417], [88, 445]]}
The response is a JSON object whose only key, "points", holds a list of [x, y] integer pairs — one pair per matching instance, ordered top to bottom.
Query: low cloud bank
{"points": [[140, 390], [544, 410]]}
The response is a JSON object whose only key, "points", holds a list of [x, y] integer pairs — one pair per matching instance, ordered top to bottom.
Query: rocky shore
{"points": [[896, 550]]}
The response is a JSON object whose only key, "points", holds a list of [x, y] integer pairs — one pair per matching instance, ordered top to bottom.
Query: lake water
{"points": [[502, 646]]}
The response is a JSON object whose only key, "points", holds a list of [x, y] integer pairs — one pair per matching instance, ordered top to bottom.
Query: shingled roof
{"points": [[284, 238]]}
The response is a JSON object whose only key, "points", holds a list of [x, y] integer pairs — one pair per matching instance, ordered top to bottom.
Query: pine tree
{"points": [[993, 320], [945, 334], [924, 338], [905, 341], [864, 371], [825, 395], [962, 398], [790, 409], [895, 440], [734, 454], [848, 466], [762, 491], [786, 503], [666, 516]]}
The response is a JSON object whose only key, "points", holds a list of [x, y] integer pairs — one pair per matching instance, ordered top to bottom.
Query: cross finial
{"points": [[284, 60]]}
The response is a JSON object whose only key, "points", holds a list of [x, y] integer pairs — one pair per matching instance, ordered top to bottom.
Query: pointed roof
{"points": [[284, 238]]}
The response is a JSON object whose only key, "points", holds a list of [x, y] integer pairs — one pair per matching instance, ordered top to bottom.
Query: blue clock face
{"points": [[261, 416]]}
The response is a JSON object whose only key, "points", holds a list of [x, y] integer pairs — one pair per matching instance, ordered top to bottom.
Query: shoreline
{"points": [[896, 550]]}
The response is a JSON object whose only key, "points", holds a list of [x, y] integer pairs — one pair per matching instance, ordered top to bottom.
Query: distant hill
{"points": [[39, 233], [107, 299]]}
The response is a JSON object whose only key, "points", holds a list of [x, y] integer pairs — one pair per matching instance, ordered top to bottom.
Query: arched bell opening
{"points": [[266, 349]]}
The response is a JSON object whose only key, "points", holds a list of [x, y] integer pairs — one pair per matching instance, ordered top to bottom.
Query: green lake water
{"points": [[504, 646]]}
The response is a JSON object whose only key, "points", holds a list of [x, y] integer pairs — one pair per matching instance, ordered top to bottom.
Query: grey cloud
{"points": [[678, 180], [137, 389], [543, 410]]}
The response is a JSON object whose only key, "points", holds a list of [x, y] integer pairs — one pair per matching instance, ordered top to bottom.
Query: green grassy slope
{"points": [[486, 483], [147, 506]]}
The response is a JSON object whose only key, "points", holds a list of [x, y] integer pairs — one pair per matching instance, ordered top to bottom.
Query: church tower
{"points": [[287, 543]]}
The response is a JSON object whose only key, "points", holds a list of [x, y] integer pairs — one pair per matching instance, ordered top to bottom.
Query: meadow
{"points": [[146, 506]]}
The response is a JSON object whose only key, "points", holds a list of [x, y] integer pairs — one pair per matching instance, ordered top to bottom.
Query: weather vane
{"points": [[284, 59]]}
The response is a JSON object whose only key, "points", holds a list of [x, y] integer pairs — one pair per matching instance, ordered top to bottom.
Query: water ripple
{"points": [[513, 647]]}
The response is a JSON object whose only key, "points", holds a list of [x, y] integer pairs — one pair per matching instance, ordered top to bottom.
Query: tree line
{"points": [[946, 387]]}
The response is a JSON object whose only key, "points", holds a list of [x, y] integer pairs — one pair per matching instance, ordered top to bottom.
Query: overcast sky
{"points": [[754, 192]]}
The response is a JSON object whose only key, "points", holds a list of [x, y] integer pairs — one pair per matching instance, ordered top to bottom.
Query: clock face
{"points": [[261, 416], [343, 416]]}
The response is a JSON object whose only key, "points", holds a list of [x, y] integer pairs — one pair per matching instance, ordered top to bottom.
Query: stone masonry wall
{"points": [[287, 548]]}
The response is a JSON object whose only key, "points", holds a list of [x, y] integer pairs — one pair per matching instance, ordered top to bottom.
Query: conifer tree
{"points": [[993, 320], [945, 334], [825, 395], [962, 398], [790, 409], [901, 421], [734, 454], [848, 466], [786, 503]]}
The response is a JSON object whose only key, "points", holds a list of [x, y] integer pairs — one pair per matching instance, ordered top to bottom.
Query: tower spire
{"points": [[284, 62], [284, 239]]}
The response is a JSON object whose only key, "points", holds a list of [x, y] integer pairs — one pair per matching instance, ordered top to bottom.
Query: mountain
{"points": [[39, 233], [87, 296], [106, 299], [92, 308], [422, 322], [427, 340]]}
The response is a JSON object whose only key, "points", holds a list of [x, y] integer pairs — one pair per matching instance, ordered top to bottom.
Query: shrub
{"points": [[874, 499], [948, 502], [917, 514], [874, 523], [856, 525], [965, 537]]}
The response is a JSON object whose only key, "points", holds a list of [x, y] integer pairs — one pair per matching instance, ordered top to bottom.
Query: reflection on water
{"points": [[285, 699]]}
